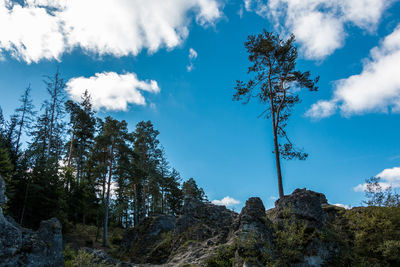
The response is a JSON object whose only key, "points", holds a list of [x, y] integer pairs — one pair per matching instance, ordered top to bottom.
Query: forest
{"points": [[61, 160]]}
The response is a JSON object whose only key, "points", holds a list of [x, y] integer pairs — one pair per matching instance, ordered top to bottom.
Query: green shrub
{"points": [[375, 233], [290, 240], [225, 257], [85, 259]]}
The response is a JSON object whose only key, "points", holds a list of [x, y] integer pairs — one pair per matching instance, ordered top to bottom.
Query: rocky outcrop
{"points": [[302, 205], [200, 229], [209, 235], [254, 235], [190, 238], [150, 241], [24, 247]]}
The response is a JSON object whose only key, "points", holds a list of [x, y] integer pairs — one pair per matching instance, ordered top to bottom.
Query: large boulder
{"points": [[303, 206], [309, 209], [253, 220], [201, 221], [199, 231], [255, 234], [10, 235], [189, 239], [150, 241], [10, 242], [24, 247]]}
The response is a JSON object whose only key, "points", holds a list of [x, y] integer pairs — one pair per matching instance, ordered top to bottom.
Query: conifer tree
{"points": [[275, 82], [25, 114]]}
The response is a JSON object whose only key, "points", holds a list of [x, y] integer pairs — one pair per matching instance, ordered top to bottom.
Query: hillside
{"points": [[302, 230]]}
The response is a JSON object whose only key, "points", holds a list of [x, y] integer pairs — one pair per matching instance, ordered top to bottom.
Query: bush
{"points": [[375, 233], [290, 240], [225, 257], [84, 259]]}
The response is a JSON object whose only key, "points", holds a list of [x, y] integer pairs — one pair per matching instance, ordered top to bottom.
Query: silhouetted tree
{"points": [[275, 82], [25, 114]]}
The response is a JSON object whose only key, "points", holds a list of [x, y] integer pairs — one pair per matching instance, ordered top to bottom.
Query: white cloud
{"points": [[319, 24], [44, 29], [29, 33], [192, 57], [375, 89], [111, 90], [322, 109], [391, 175], [389, 178], [226, 201], [347, 207]]}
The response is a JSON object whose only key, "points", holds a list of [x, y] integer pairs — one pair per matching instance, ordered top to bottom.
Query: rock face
{"points": [[302, 205], [306, 207], [200, 229], [209, 235], [254, 235], [190, 238], [147, 242], [24, 247]]}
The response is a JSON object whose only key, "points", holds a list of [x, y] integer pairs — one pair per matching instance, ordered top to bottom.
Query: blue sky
{"points": [[176, 62]]}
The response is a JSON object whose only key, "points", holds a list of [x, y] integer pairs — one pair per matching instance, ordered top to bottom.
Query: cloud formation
{"points": [[319, 25], [44, 29], [192, 56], [375, 89], [112, 91], [389, 178], [226, 201]]}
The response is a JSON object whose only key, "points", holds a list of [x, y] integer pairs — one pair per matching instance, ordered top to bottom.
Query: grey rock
{"points": [[302, 205], [254, 235], [195, 236], [10, 240], [144, 243], [24, 247], [100, 256]]}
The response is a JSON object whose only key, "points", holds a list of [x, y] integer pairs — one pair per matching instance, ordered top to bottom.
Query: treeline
{"points": [[83, 169]]}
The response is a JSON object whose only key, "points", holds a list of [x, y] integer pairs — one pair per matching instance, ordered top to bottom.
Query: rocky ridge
{"points": [[209, 235]]}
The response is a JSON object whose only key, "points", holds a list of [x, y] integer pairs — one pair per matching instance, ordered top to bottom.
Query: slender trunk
{"points": [[21, 125], [275, 132], [71, 147], [278, 163], [78, 176], [104, 183], [144, 198], [162, 200], [24, 204], [136, 210], [105, 234]]}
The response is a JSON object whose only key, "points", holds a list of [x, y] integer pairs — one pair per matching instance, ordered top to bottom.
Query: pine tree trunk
{"points": [[275, 123], [21, 125], [71, 146], [278, 163], [24, 204], [136, 209], [105, 233]]}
